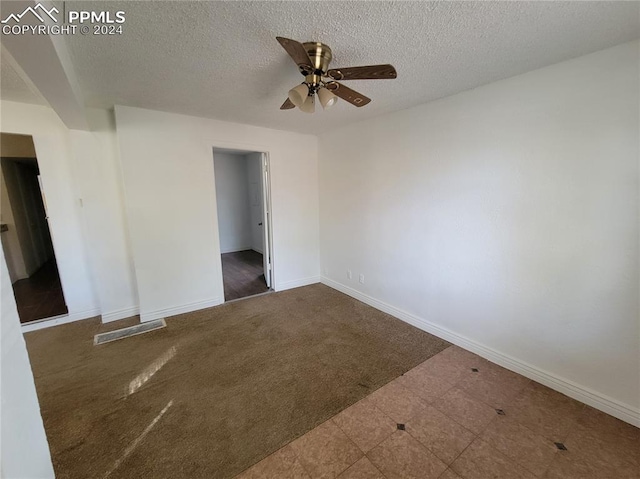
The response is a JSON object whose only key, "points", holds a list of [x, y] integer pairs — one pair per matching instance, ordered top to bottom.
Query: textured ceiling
{"points": [[221, 59], [12, 85]]}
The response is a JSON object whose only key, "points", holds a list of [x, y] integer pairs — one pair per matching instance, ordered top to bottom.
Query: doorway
{"points": [[243, 202], [25, 234]]}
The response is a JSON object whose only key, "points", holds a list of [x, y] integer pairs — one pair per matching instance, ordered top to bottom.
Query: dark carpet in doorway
{"points": [[216, 390]]}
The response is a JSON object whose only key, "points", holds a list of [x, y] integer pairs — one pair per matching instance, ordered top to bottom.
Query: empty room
{"points": [[276, 239]]}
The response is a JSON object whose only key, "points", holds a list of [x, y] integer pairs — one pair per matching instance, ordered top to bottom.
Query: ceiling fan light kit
{"points": [[313, 60], [299, 94], [302, 97], [327, 99], [309, 105]]}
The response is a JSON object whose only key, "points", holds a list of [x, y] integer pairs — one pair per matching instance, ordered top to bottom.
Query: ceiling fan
{"points": [[313, 60]]}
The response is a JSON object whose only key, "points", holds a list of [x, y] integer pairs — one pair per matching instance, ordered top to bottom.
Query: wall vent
{"points": [[130, 331]]}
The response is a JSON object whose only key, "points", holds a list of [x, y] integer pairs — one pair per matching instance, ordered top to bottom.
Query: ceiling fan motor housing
{"points": [[320, 55]]}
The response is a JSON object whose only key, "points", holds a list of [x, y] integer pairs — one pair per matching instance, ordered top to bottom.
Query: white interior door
{"points": [[266, 220]]}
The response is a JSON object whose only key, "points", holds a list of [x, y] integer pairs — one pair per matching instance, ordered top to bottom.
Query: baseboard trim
{"points": [[235, 249], [296, 283], [185, 308], [120, 314], [58, 320], [580, 393]]}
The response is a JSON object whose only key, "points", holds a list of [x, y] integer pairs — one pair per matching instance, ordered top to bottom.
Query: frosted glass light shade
{"points": [[299, 94], [327, 99], [309, 105]]}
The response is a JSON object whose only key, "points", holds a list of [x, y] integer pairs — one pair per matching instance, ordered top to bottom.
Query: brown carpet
{"points": [[216, 390]]}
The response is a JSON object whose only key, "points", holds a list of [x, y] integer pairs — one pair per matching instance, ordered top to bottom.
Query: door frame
{"points": [[267, 198], [267, 208], [68, 316]]}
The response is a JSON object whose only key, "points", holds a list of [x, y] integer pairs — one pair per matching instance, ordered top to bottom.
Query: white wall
{"points": [[51, 140], [99, 178], [82, 182], [232, 199], [256, 200], [171, 207], [505, 218], [25, 451]]}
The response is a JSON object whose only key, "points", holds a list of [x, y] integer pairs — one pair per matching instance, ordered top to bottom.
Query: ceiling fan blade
{"points": [[297, 51], [371, 72], [347, 94], [287, 105]]}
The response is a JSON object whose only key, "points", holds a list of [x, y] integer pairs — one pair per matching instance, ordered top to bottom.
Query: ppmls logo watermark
{"points": [[40, 20]]}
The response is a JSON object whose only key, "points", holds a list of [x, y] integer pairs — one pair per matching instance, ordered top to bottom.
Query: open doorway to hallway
{"points": [[242, 196], [26, 239]]}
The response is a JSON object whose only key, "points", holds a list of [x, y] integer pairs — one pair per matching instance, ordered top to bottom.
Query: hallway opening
{"points": [[241, 183], [26, 238]]}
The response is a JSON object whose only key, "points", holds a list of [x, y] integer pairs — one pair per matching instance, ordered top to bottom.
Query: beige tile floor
{"points": [[459, 416]]}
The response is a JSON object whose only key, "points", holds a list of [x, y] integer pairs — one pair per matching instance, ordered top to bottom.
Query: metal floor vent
{"points": [[130, 331]]}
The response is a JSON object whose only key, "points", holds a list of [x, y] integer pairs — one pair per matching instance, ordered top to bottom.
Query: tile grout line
{"points": [[431, 405], [390, 418], [331, 419], [575, 424], [340, 429], [345, 433], [476, 437], [545, 438], [513, 460]]}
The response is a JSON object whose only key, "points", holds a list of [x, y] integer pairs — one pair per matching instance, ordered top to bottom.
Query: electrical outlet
{"points": [[348, 274], [361, 279]]}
